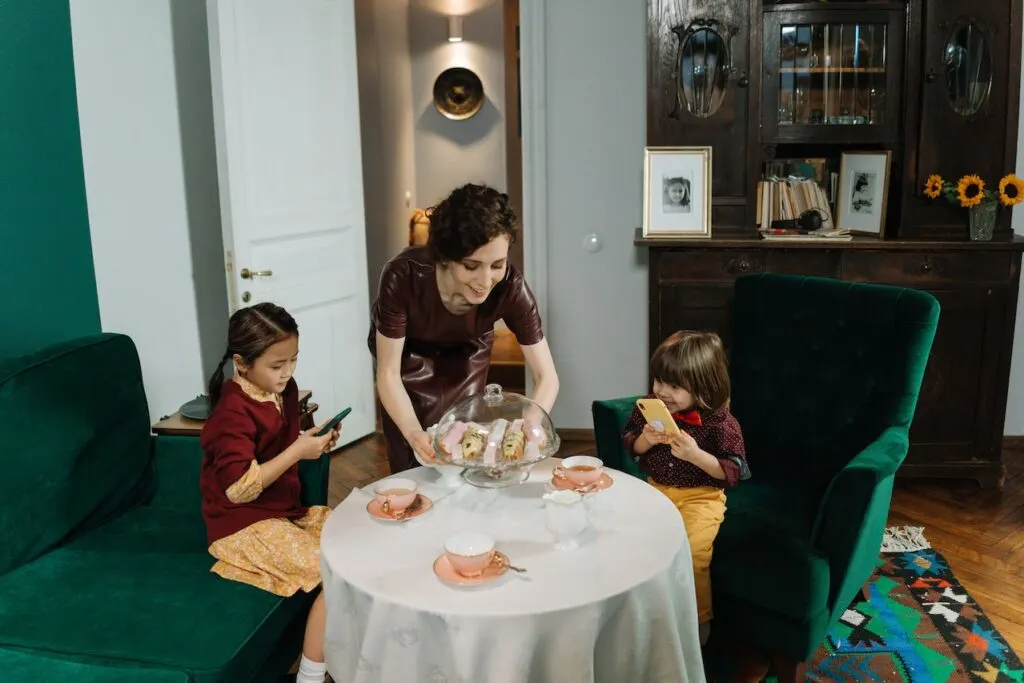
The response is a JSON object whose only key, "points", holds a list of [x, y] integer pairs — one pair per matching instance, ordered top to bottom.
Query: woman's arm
{"points": [[545, 377], [392, 392], [395, 398]]}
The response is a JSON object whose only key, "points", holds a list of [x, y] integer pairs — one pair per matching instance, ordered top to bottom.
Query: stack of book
{"points": [[787, 199]]}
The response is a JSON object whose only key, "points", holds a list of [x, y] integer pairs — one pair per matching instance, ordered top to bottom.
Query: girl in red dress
{"points": [[256, 525]]}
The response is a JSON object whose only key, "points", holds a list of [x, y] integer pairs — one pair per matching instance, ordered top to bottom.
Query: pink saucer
{"points": [[560, 481], [422, 504], [444, 571]]}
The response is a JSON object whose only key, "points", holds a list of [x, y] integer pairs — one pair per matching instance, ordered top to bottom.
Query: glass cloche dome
{"points": [[496, 436]]}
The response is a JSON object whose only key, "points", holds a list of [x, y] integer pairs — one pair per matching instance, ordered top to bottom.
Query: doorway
{"points": [[412, 154], [508, 367]]}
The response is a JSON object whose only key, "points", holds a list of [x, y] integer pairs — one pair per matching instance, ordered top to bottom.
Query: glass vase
{"points": [[983, 221]]}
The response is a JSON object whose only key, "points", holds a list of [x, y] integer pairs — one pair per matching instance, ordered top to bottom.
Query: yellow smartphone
{"points": [[657, 415]]}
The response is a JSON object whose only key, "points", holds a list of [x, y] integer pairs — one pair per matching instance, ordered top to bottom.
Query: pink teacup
{"points": [[581, 470], [395, 494], [469, 553]]}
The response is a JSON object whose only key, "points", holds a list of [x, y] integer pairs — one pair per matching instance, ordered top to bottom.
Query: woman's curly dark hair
{"points": [[467, 219]]}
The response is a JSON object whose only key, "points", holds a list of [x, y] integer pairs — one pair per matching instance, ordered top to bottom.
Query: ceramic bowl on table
{"points": [[581, 470], [395, 494], [469, 553]]}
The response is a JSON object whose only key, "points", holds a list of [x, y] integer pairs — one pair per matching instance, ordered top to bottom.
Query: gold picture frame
{"points": [[677, 192], [863, 195]]}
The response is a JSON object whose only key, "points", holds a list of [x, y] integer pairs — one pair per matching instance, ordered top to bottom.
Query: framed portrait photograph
{"points": [[677, 192], [863, 195]]}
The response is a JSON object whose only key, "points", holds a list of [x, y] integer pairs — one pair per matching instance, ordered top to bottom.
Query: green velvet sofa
{"points": [[825, 376], [104, 572]]}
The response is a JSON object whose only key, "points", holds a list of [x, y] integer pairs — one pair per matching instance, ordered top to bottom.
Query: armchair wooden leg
{"points": [[733, 662], [785, 669]]}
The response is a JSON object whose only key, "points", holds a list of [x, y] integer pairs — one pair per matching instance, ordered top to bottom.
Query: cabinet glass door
{"points": [[829, 80]]}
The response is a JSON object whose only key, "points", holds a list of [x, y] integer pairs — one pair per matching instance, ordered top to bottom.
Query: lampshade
{"points": [[454, 29]]}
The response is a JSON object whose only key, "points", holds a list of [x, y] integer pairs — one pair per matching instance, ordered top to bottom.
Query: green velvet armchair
{"points": [[825, 378]]}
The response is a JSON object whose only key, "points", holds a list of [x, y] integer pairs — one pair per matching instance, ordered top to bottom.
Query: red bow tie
{"points": [[690, 417]]}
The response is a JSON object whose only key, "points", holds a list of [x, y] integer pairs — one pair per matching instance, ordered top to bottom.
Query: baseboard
{"points": [[576, 434], [1013, 443]]}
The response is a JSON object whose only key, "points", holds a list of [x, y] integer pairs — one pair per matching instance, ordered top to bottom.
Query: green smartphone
{"points": [[335, 421]]}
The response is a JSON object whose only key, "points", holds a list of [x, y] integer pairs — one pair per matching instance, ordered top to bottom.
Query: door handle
{"points": [[250, 274]]}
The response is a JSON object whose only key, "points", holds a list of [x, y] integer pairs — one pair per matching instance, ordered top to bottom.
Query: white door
{"points": [[287, 121]]}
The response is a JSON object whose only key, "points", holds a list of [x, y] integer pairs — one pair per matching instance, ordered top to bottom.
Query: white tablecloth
{"points": [[620, 609]]}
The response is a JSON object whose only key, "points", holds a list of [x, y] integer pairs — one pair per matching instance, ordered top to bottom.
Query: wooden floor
{"points": [[981, 533]]}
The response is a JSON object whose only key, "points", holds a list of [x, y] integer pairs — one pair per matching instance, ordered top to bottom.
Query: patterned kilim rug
{"points": [[914, 622]]}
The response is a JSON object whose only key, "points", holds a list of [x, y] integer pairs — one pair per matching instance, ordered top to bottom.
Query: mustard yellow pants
{"points": [[703, 510]]}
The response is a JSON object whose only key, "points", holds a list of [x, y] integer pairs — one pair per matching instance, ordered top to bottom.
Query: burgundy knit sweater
{"points": [[240, 430]]}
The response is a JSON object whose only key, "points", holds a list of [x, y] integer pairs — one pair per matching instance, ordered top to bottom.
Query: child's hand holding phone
{"points": [[656, 437], [314, 442], [310, 445], [684, 446]]}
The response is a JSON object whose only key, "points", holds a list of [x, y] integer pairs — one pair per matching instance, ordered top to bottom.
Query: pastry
{"points": [[534, 432], [494, 439], [500, 441], [451, 443], [514, 443], [472, 444]]}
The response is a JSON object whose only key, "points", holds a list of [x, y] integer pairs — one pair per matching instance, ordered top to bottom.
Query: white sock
{"points": [[310, 671]]}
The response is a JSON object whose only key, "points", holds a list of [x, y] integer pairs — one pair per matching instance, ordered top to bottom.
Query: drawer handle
{"points": [[744, 266], [927, 267]]}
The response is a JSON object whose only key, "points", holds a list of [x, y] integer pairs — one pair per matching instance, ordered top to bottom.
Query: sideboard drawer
{"points": [[816, 262], [708, 266], [922, 268]]}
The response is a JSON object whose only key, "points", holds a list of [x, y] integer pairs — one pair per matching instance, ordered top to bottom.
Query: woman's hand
{"points": [[423, 445], [684, 447]]}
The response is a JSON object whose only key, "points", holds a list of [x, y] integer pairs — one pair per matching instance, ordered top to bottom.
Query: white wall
{"points": [[595, 104], [386, 123], [451, 153], [413, 156], [199, 161], [139, 209], [1014, 424]]}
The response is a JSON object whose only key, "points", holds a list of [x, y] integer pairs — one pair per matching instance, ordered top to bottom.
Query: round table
{"points": [[621, 608]]}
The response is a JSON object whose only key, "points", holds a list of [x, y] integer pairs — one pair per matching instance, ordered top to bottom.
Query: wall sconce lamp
{"points": [[454, 29]]}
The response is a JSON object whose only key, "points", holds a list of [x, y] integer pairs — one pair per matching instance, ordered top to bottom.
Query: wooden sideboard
{"points": [[936, 83], [177, 425], [958, 427]]}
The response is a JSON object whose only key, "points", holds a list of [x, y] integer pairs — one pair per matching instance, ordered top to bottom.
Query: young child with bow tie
{"points": [[694, 466]]}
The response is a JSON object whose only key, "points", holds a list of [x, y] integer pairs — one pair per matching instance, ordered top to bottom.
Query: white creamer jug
{"points": [[565, 516]]}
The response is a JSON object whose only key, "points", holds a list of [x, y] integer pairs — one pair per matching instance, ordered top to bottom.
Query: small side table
{"points": [[176, 425]]}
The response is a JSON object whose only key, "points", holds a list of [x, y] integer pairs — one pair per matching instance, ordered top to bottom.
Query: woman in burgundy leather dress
{"points": [[432, 325]]}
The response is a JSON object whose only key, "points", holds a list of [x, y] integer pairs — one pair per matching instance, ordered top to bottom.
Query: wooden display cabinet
{"points": [[933, 81]]}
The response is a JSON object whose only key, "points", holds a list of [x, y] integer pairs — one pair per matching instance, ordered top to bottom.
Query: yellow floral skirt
{"points": [[703, 510], [281, 556]]}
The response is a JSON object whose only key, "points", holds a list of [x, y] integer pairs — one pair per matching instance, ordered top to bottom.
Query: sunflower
{"points": [[933, 186], [970, 190], [1011, 190]]}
